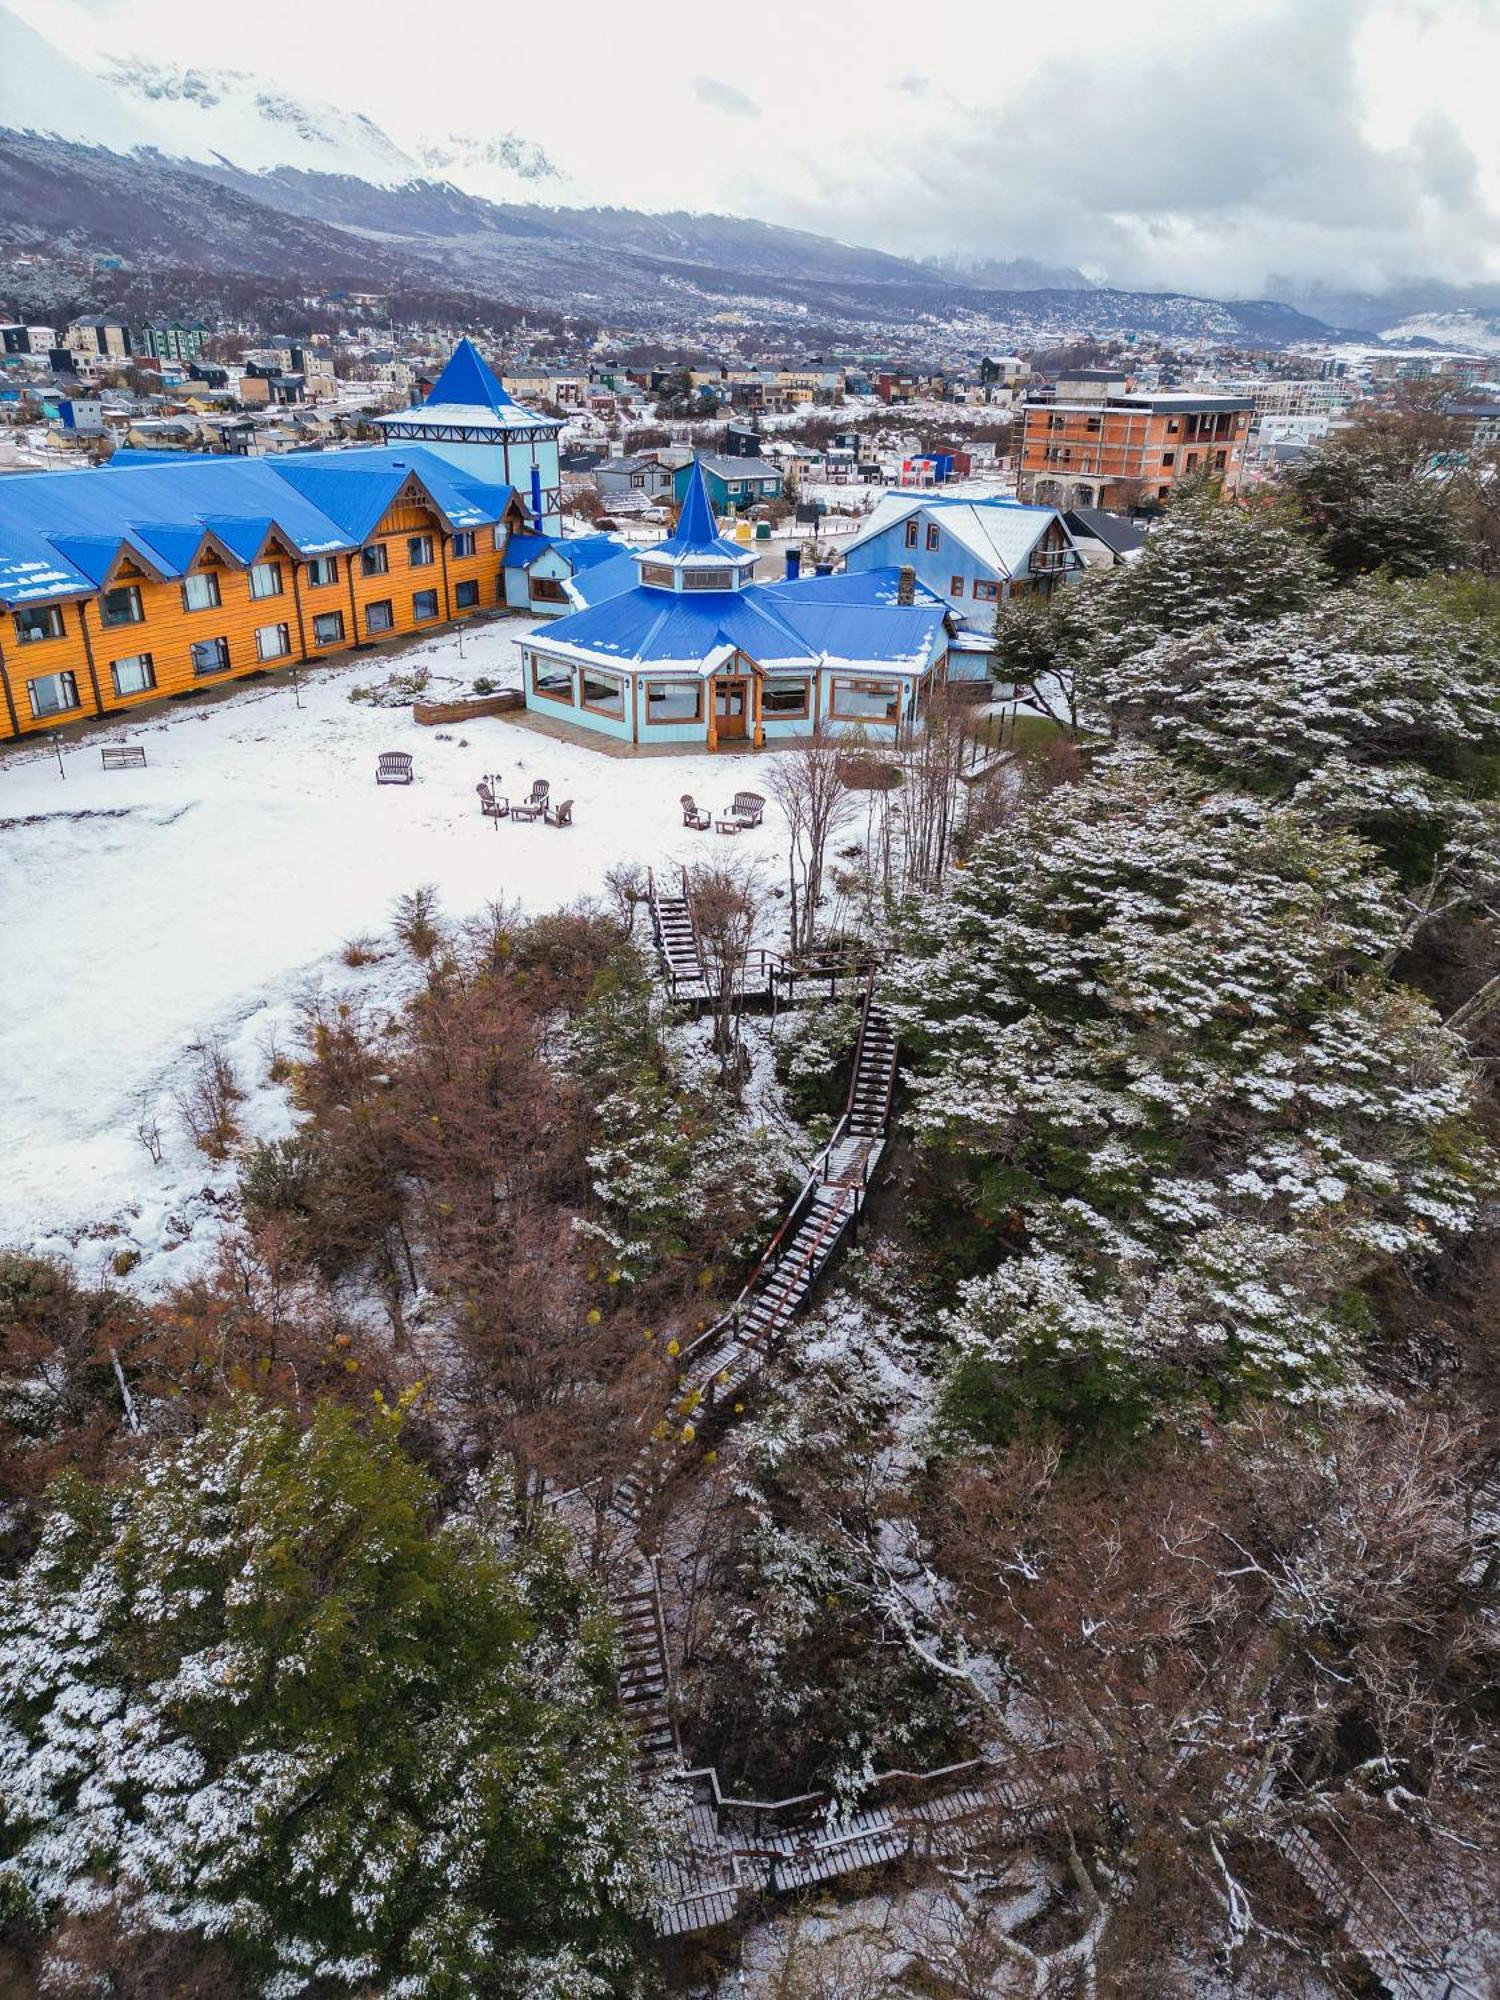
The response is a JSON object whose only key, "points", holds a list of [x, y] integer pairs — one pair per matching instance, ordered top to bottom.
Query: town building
{"points": [[99, 334], [173, 340], [470, 421], [1125, 451], [620, 479], [734, 482], [971, 553], [163, 574], [688, 648]]}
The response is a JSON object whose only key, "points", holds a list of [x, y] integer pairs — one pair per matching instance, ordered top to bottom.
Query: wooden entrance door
{"points": [[731, 710]]}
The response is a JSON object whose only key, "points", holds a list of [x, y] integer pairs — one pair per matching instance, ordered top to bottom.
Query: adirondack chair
{"points": [[393, 767], [535, 802], [490, 806], [747, 810], [693, 814], [561, 815]]}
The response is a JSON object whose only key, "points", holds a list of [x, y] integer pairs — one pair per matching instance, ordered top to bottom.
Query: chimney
{"points": [[794, 562], [823, 569], [906, 584]]}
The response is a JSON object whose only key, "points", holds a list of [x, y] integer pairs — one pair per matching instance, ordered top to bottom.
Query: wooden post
{"points": [[88, 654]]}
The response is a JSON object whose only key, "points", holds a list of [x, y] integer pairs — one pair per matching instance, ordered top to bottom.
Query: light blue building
{"points": [[470, 421], [970, 552], [543, 575], [687, 648]]}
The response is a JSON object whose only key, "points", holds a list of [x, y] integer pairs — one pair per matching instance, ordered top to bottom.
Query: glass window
{"points": [[1169, 458], [911, 533], [933, 537], [463, 543], [419, 550], [374, 561], [323, 570], [657, 573], [265, 579], [705, 579], [955, 586], [986, 592], [200, 593], [466, 594], [424, 604], [121, 606], [380, 616], [42, 621], [328, 628], [273, 642], [209, 656], [133, 675], [551, 678], [605, 693], [52, 694], [784, 700], [674, 701], [866, 701]]}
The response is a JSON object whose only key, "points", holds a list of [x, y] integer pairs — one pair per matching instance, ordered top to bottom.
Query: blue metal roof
{"points": [[469, 378], [61, 532], [697, 533], [523, 550], [773, 625]]}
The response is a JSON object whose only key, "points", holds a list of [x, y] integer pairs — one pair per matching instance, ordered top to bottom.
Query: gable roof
{"points": [[62, 532], [1118, 532], [998, 533]]}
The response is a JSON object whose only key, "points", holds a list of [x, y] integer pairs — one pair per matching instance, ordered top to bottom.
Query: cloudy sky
{"points": [[1216, 145]]}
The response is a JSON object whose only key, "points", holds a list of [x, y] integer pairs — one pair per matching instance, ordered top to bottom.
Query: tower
{"points": [[470, 420]]}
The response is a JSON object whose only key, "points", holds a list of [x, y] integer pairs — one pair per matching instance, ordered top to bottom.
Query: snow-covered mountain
{"points": [[132, 105], [1473, 332]]}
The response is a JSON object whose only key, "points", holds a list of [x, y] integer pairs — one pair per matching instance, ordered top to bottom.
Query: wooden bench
{"points": [[123, 757], [393, 767], [747, 810]]}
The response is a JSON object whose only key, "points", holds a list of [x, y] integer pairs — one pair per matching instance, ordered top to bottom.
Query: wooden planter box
{"points": [[429, 712]]}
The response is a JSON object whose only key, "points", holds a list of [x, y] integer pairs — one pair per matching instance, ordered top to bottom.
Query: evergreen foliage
{"points": [[257, 1694]]}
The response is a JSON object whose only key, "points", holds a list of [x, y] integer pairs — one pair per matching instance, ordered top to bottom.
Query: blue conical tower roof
{"points": [[469, 378], [696, 537]]}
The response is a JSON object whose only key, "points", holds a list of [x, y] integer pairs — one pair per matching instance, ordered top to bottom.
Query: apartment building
{"points": [[1125, 451]]}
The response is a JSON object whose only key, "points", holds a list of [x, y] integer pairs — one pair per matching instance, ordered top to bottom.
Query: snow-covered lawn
{"points": [[142, 911]]}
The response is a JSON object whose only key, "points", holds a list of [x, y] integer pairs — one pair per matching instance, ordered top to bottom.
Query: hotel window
{"points": [[911, 532], [934, 537], [463, 543], [419, 551], [374, 561], [322, 570], [265, 579], [704, 579], [956, 586], [986, 592], [200, 593], [466, 595], [424, 605], [121, 606], [380, 616], [42, 621], [328, 628], [273, 642], [209, 656], [135, 675], [551, 679], [604, 693], [52, 694], [783, 700], [674, 701], [866, 701]]}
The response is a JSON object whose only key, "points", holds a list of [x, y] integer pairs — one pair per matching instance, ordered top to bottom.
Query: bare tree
{"points": [[808, 787], [725, 899]]}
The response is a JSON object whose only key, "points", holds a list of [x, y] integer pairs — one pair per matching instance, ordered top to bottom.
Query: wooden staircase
{"points": [[676, 935]]}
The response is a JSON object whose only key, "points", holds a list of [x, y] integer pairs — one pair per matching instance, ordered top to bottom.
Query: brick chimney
{"points": [[906, 584]]}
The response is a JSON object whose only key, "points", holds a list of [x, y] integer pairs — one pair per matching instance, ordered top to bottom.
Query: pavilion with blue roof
{"points": [[691, 649]]}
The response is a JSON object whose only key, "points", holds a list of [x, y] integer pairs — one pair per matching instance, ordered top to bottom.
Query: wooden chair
{"points": [[393, 767], [535, 802], [490, 806], [748, 810], [693, 814], [561, 815]]}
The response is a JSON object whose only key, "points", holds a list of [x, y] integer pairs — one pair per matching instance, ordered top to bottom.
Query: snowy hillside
{"points": [[232, 115], [1477, 333]]}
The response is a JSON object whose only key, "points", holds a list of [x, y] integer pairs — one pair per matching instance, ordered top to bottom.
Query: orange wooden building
{"points": [[1127, 451], [147, 579]]}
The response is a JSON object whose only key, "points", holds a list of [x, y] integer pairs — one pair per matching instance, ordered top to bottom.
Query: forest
{"points": [[1138, 1457]]}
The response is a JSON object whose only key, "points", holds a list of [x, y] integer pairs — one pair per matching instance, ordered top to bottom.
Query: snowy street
{"points": [[144, 910]]}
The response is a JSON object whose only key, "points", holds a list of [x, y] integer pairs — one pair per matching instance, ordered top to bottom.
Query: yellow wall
{"points": [[167, 629]]}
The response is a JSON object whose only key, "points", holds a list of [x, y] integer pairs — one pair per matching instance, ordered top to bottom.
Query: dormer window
{"points": [[659, 574], [705, 579]]}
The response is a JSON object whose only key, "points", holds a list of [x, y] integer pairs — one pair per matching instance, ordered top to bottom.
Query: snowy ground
{"points": [[142, 911]]}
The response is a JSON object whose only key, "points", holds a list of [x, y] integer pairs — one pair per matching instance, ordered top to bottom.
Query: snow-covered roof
{"points": [[467, 396], [61, 532], [998, 533], [695, 541]]}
